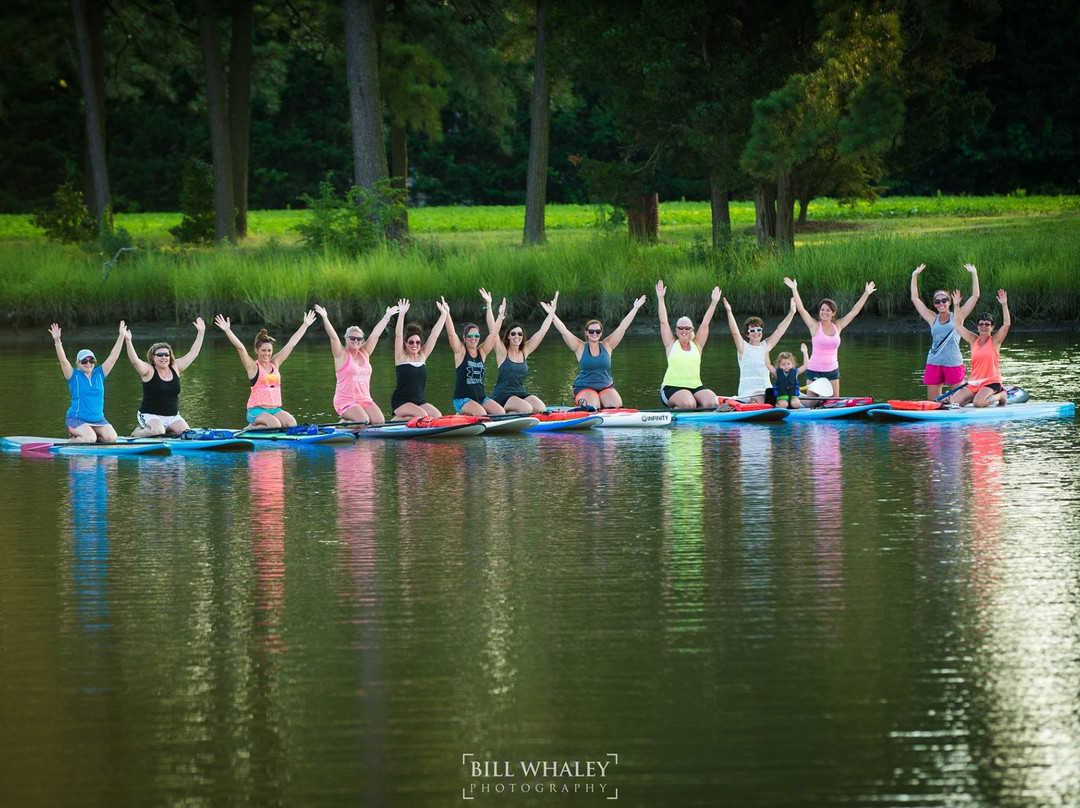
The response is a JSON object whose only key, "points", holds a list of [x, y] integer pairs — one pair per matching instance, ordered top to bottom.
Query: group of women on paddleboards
{"points": [[593, 387]]}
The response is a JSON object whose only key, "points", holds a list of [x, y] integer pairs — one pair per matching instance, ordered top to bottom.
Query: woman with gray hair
{"points": [[682, 388], [352, 395]]}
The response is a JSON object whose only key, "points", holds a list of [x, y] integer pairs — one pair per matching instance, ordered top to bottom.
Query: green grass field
{"points": [[1028, 245]]}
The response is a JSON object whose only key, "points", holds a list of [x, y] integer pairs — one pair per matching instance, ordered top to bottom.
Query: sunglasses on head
{"points": [[594, 330], [162, 355]]}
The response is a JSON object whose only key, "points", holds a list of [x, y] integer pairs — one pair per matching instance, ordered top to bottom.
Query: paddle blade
{"points": [[35, 448]]}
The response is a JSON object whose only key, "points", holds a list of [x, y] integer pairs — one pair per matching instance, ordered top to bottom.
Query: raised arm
{"points": [[916, 301], [969, 307], [661, 311], [489, 314], [851, 315], [1006, 318], [811, 323], [958, 323], [225, 324], [733, 327], [781, 329], [399, 331], [702, 334], [373, 336], [616, 336], [433, 337], [538, 337], [492, 339], [571, 340], [456, 345], [336, 348], [284, 353], [114, 354], [805, 358], [182, 363], [65, 365], [144, 370]]}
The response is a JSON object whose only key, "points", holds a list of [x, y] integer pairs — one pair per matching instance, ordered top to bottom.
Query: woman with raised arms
{"points": [[825, 334], [754, 351], [512, 354], [410, 364], [944, 364], [352, 368], [264, 375], [594, 386], [985, 387], [681, 388], [470, 397], [159, 411], [85, 419]]}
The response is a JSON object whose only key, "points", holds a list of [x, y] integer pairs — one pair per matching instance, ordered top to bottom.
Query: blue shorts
{"points": [[461, 402], [255, 412], [75, 423]]}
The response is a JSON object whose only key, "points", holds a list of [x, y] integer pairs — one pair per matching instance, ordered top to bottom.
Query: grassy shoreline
{"points": [[1029, 246]]}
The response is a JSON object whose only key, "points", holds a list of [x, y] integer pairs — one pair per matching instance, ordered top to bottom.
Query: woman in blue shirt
{"points": [[86, 416]]}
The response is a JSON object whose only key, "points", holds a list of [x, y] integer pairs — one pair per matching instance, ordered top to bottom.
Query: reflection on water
{"points": [[780, 615]]}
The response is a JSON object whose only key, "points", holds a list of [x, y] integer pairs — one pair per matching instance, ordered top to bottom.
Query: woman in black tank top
{"points": [[410, 363], [159, 411]]}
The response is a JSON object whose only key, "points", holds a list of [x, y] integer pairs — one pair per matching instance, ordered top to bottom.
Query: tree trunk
{"points": [[89, 33], [240, 58], [365, 102], [218, 113], [539, 135], [399, 173], [720, 202], [804, 205], [785, 211], [764, 212], [644, 216]]}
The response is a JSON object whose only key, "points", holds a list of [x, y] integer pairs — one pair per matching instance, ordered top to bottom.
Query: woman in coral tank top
{"points": [[985, 387]]}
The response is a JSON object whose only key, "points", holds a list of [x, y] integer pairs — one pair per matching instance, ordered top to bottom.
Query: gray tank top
{"points": [[945, 350], [511, 381]]}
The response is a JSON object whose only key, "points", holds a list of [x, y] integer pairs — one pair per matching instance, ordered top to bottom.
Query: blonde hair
{"points": [[785, 355]]}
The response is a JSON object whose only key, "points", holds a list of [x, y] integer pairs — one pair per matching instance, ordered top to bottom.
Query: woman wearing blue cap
{"points": [[86, 416]]}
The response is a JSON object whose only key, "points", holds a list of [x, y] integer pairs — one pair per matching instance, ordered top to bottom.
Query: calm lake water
{"points": [[755, 615]]}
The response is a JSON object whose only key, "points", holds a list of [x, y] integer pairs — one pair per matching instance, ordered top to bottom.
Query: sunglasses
{"points": [[939, 300], [988, 325], [684, 328], [594, 330], [755, 330], [517, 333], [472, 336], [354, 338], [412, 342], [162, 355], [90, 360]]}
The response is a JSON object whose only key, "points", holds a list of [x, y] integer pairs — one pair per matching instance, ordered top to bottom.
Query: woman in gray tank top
{"points": [[512, 354], [944, 364]]}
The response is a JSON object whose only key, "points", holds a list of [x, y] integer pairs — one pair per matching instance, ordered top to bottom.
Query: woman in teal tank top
{"points": [[512, 354], [594, 385], [682, 388]]}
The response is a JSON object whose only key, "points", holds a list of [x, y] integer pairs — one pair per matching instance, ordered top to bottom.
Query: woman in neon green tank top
{"points": [[682, 388]]}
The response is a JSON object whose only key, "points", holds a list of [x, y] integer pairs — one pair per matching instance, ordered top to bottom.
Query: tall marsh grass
{"points": [[1037, 261]]}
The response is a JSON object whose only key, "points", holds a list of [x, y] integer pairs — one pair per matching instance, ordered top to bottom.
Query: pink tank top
{"points": [[823, 355], [985, 363], [353, 379], [266, 389]]}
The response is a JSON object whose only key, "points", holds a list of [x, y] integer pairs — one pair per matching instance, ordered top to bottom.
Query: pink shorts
{"points": [[943, 374]]}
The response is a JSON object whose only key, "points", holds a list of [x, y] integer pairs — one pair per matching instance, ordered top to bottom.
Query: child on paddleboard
{"points": [[786, 387]]}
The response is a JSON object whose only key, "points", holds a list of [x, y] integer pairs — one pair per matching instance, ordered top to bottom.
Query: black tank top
{"points": [[411, 382], [469, 382], [160, 397]]}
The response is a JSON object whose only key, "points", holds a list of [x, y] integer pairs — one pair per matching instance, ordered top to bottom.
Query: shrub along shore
{"points": [[1030, 247]]}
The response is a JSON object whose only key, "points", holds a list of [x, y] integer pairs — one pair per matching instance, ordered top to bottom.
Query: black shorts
{"points": [[667, 391]]}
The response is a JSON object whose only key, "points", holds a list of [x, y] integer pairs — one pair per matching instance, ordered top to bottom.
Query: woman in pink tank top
{"points": [[825, 335], [985, 387], [352, 395], [264, 402]]}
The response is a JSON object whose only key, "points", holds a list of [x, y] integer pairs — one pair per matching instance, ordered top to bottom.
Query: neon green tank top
{"points": [[683, 367]]}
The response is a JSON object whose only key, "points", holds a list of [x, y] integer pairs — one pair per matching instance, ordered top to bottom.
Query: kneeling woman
{"points": [[512, 355], [410, 364], [352, 368], [594, 385], [985, 387], [682, 388], [469, 395], [264, 403], [159, 411], [86, 416]]}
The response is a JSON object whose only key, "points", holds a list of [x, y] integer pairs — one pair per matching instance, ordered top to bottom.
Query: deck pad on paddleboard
{"points": [[1010, 412], [399, 430], [27, 444]]}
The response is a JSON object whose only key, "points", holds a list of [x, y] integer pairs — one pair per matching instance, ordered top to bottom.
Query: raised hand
{"points": [[970, 268], [919, 269], [791, 283], [870, 288], [661, 290], [484, 293], [715, 294], [956, 298], [1002, 298], [555, 301], [639, 302], [727, 305], [402, 306], [794, 307], [502, 308], [549, 308], [321, 310], [392, 310], [309, 318], [224, 323], [199, 324], [124, 330], [54, 331]]}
